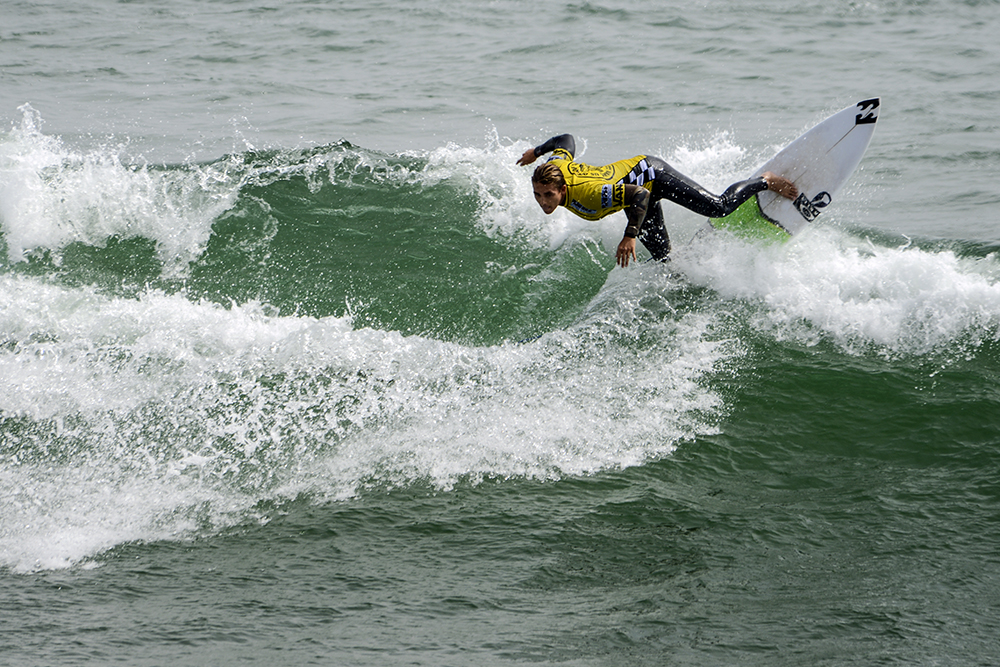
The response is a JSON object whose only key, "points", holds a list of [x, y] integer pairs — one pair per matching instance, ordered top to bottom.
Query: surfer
{"points": [[635, 185]]}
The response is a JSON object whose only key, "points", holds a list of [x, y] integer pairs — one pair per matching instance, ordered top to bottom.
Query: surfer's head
{"points": [[549, 187]]}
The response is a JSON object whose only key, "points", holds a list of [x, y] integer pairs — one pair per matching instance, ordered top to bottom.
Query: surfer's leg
{"points": [[674, 186], [654, 233]]}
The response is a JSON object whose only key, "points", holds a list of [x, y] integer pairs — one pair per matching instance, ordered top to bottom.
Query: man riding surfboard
{"points": [[635, 185]]}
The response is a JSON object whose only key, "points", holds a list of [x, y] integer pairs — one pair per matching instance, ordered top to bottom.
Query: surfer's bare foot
{"points": [[781, 185]]}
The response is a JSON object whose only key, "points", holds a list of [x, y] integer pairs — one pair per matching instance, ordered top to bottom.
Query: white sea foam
{"points": [[52, 195], [831, 285], [150, 418]]}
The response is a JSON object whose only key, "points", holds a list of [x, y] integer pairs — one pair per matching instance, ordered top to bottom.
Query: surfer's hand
{"points": [[528, 157], [626, 249]]}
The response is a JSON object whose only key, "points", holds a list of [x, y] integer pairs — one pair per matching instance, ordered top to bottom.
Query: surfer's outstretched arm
{"points": [[564, 141], [638, 199]]}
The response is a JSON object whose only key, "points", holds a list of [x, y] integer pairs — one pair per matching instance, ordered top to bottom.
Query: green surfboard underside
{"points": [[748, 222]]}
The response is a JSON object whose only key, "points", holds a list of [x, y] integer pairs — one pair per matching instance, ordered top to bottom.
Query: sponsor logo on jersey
{"points": [[606, 196]]}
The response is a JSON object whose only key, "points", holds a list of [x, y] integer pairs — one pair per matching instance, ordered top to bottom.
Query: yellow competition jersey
{"points": [[594, 192]]}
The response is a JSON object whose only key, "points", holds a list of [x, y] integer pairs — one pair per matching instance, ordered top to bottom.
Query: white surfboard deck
{"points": [[819, 163]]}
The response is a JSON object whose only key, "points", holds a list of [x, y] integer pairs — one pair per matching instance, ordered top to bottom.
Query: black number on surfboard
{"points": [[869, 112]]}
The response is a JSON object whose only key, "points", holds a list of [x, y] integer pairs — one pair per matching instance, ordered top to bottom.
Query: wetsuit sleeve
{"points": [[563, 141], [635, 211]]}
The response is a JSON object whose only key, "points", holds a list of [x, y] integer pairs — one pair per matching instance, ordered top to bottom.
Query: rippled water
{"points": [[293, 370]]}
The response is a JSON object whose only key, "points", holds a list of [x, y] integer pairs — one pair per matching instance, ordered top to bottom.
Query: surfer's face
{"points": [[550, 196]]}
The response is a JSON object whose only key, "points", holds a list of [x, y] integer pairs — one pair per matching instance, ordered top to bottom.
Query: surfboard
{"points": [[819, 163]]}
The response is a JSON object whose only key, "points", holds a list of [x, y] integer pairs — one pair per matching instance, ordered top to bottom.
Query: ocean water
{"points": [[293, 370]]}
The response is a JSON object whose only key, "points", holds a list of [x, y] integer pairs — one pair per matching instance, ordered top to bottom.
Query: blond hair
{"points": [[548, 174]]}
